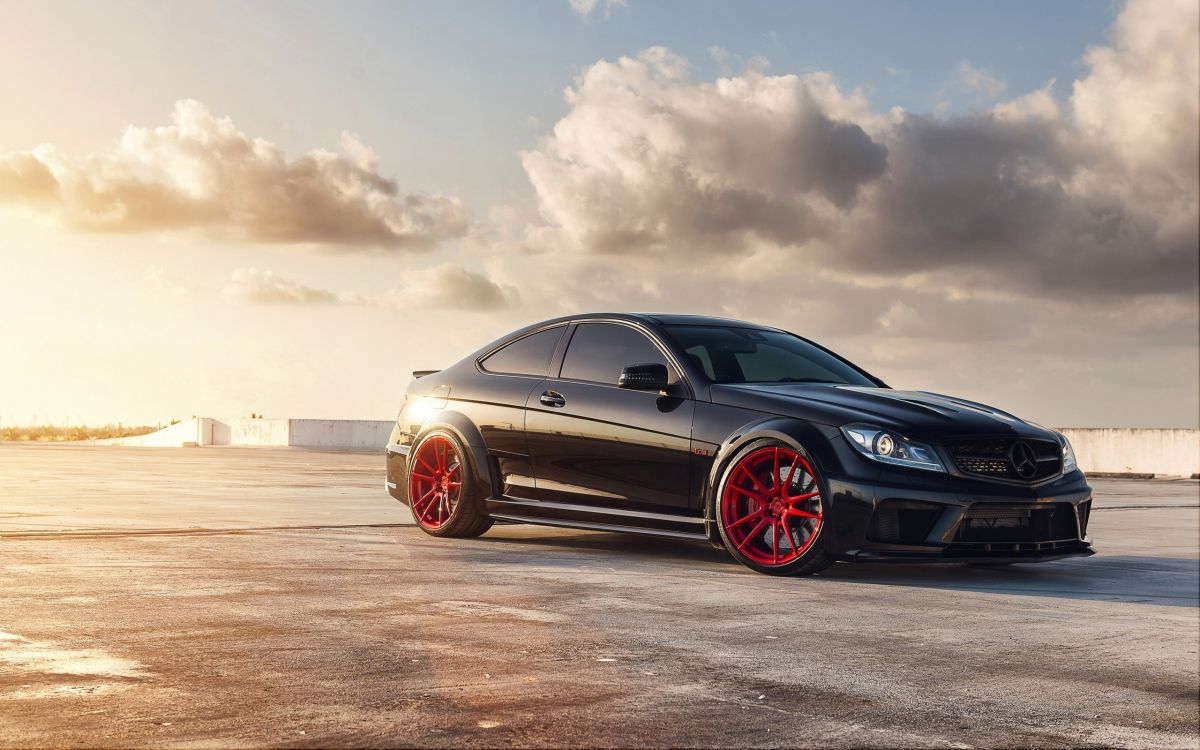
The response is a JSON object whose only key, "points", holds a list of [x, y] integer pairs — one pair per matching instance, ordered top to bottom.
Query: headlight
{"points": [[887, 447], [1068, 456]]}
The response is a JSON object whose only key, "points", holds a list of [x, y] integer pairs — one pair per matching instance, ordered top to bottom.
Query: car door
{"points": [[495, 400], [593, 443]]}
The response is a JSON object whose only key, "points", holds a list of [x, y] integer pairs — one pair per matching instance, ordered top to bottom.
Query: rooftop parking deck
{"points": [[261, 596]]}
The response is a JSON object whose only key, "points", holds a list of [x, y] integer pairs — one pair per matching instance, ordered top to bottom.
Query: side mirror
{"points": [[644, 377]]}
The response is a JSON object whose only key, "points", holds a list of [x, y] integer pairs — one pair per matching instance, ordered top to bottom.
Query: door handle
{"points": [[553, 398]]}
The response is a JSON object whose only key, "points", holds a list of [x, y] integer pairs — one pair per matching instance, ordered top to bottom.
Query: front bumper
{"points": [[901, 518]]}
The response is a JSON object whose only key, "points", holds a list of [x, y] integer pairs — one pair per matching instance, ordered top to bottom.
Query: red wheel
{"points": [[435, 482], [442, 488], [771, 509]]}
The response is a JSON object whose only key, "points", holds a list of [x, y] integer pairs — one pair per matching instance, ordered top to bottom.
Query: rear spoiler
{"points": [[423, 373]]}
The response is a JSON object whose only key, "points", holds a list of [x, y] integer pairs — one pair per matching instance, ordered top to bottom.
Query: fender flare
{"points": [[459, 425], [791, 431]]}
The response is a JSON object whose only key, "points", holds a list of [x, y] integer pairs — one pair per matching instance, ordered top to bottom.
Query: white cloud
{"points": [[585, 7], [719, 54], [980, 80], [647, 159], [200, 173], [167, 281], [445, 286], [450, 286], [257, 287]]}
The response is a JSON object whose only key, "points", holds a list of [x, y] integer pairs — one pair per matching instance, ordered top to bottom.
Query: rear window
{"points": [[529, 355], [748, 355]]}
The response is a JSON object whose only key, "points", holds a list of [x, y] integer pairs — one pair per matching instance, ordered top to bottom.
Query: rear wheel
{"points": [[442, 488], [771, 510]]}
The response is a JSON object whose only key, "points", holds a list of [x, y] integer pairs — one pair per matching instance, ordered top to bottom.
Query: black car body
{"points": [[569, 423]]}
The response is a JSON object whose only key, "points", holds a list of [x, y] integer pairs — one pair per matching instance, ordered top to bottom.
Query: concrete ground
{"points": [[273, 597]]}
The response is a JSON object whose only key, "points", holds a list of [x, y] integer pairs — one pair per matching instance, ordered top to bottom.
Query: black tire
{"points": [[468, 517], [812, 558]]}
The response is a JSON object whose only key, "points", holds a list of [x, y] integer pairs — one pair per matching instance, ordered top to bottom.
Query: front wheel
{"points": [[442, 488], [771, 511]]}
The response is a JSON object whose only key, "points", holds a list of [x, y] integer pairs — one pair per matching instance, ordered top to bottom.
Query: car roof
{"points": [[669, 319]]}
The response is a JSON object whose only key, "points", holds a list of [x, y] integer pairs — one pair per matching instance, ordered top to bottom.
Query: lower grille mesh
{"points": [[1023, 523]]}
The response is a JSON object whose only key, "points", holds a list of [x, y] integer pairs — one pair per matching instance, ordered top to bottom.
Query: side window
{"points": [[598, 351], [526, 356]]}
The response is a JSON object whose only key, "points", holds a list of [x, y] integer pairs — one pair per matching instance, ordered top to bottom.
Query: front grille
{"points": [[992, 458], [1020, 524]]}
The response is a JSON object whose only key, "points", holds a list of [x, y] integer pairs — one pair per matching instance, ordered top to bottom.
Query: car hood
{"points": [[916, 414]]}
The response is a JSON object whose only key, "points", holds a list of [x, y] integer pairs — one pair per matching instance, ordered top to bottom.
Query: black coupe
{"points": [[750, 437]]}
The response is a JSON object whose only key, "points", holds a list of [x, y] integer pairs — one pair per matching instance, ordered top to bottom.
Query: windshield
{"points": [[749, 355]]}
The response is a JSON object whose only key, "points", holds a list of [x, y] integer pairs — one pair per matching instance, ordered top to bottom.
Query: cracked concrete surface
{"points": [[274, 597]]}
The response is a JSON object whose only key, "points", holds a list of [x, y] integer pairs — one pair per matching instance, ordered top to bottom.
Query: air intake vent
{"points": [[903, 521]]}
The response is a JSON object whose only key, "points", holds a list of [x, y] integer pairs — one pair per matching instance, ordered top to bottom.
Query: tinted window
{"points": [[598, 352], [747, 355], [527, 356]]}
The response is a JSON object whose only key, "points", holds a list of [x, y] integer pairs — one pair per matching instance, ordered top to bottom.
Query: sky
{"points": [[284, 208]]}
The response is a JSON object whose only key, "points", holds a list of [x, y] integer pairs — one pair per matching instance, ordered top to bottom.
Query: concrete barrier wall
{"points": [[258, 432], [342, 434], [349, 434], [1136, 450]]}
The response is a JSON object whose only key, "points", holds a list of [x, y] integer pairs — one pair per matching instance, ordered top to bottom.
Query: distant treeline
{"points": [[51, 434]]}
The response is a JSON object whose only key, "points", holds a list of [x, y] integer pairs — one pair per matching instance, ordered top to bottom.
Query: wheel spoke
{"points": [[421, 458], [775, 470], [791, 473], [426, 477], [754, 479], [748, 493], [803, 497], [420, 504], [802, 514], [744, 519], [787, 532], [753, 534], [775, 534]]}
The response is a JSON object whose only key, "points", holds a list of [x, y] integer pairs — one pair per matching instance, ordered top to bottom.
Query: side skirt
{"points": [[589, 518], [591, 526]]}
